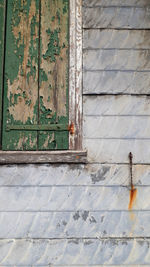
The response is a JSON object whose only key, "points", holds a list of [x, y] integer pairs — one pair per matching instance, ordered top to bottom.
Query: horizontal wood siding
{"points": [[124, 3], [116, 17], [44, 208], [81, 214], [69, 224], [81, 252]]}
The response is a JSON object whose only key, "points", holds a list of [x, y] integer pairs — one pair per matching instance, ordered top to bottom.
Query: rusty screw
{"points": [[131, 174]]}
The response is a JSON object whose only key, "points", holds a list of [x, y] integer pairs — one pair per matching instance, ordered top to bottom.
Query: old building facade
{"points": [[95, 213]]}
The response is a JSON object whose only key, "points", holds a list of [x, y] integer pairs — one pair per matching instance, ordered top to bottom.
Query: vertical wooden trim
{"points": [[2, 33], [75, 74]]}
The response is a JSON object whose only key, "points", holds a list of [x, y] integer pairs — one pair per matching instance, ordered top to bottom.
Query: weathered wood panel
{"points": [[96, 3], [116, 17], [2, 30], [118, 39], [121, 60], [21, 73], [75, 74], [116, 82], [36, 91], [53, 93], [121, 105], [127, 127], [117, 150], [11, 157], [73, 175], [72, 198], [79, 224], [78, 252]]}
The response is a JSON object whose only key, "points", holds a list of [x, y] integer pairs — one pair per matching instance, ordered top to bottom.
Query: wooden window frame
{"points": [[75, 154]]}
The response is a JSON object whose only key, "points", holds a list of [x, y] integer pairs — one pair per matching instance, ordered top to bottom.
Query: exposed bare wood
{"points": [[72, 70], [75, 75], [9, 157]]}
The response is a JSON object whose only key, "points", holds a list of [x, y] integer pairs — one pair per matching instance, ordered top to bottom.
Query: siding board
{"points": [[97, 3], [116, 17], [117, 39], [120, 60], [116, 82], [121, 105], [124, 127], [117, 150], [73, 175], [98, 198], [79, 224], [80, 252]]}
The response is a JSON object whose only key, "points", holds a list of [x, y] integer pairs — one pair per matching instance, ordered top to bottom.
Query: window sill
{"points": [[29, 157]]}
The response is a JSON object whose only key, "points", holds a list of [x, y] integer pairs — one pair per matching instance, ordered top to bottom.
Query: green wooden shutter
{"points": [[35, 115]]}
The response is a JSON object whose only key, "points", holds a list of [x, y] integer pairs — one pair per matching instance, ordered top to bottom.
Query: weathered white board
{"points": [[96, 3], [116, 17], [117, 39], [121, 60], [116, 82], [120, 105], [125, 127], [117, 150], [73, 175], [71, 198], [80, 224], [80, 252]]}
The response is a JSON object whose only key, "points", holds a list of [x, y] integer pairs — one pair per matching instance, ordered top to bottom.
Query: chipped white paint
{"points": [[75, 75]]}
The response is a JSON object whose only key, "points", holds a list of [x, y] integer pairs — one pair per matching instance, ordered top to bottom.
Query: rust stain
{"points": [[71, 128], [133, 191], [133, 194]]}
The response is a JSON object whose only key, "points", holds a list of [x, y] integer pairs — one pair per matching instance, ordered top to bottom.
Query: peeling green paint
{"points": [[53, 46], [36, 79]]}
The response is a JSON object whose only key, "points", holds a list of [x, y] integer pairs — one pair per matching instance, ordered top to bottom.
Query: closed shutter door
{"points": [[35, 99]]}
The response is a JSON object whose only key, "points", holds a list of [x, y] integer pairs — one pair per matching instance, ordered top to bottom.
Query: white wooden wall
{"points": [[77, 215]]}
